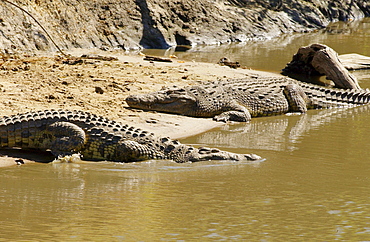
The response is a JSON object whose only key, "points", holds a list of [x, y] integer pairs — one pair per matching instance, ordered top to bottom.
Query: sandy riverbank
{"points": [[44, 81]]}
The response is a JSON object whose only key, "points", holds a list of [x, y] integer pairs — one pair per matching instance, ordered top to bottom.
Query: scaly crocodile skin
{"points": [[242, 99], [98, 138]]}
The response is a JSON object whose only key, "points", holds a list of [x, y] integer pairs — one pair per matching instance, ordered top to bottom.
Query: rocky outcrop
{"points": [[131, 24]]}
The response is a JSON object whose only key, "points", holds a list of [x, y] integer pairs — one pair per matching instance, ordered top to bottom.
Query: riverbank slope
{"points": [[124, 24], [100, 83]]}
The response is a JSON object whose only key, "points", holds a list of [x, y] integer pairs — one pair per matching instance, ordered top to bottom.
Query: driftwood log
{"points": [[157, 58], [318, 59], [355, 62]]}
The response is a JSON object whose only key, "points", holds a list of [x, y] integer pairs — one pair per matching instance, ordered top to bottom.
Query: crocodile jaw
{"points": [[172, 103]]}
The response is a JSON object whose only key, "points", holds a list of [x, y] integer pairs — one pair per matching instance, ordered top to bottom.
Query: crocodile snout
{"points": [[132, 99], [140, 101]]}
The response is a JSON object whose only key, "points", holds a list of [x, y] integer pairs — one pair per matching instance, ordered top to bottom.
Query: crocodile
{"points": [[241, 99], [97, 138]]}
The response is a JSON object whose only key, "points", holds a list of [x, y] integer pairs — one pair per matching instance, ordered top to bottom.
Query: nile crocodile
{"points": [[242, 99], [97, 138]]}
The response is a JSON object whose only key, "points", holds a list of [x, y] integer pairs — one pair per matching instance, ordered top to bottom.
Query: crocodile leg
{"points": [[297, 99], [241, 114], [68, 138], [129, 150]]}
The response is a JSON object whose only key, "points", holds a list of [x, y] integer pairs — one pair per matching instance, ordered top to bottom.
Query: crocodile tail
{"points": [[357, 97], [363, 97], [10, 132], [3, 133]]}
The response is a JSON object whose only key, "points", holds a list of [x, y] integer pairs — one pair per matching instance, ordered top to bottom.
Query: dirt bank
{"points": [[125, 24], [99, 86]]}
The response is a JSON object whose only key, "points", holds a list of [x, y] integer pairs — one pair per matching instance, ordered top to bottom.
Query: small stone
{"points": [[99, 90], [50, 96], [151, 121], [19, 161]]}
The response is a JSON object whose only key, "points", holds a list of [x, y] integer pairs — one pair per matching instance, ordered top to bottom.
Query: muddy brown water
{"points": [[313, 185]]}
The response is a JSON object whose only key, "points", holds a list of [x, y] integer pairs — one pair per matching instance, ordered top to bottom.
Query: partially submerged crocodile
{"points": [[242, 99], [97, 138]]}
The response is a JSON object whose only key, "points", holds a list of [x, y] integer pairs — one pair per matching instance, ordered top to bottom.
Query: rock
{"points": [[127, 24], [226, 62], [99, 90]]}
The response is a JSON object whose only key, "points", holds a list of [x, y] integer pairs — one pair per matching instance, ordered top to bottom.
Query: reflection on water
{"points": [[276, 133], [313, 185]]}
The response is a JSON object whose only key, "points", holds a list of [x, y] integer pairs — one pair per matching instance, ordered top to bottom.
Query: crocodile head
{"points": [[170, 100], [181, 153]]}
